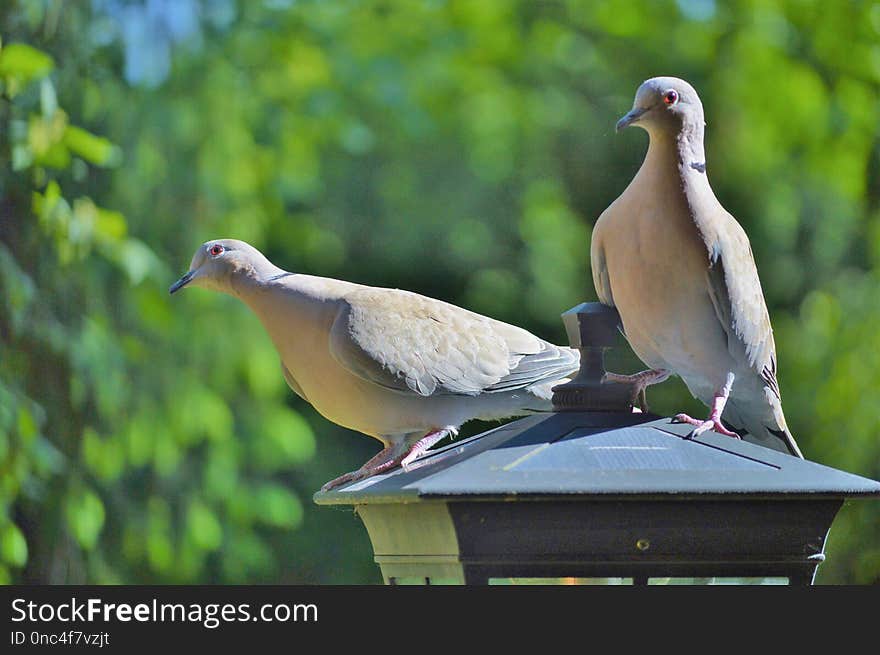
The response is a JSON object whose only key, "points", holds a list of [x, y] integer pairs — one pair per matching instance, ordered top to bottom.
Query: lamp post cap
{"points": [[591, 325]]}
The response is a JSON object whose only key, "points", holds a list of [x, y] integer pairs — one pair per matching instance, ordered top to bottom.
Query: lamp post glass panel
{"points": [[594, 493]]}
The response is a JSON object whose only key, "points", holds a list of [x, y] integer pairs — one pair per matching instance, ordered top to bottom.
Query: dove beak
{"points": [[630, 118], [182, 282]]}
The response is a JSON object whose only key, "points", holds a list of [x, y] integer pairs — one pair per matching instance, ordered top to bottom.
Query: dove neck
{"points": [[689, 144], [682, 150], [252, 276], [258, 288], [291, 313]]}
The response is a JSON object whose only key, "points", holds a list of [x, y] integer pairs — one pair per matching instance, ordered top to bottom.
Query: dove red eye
{"points": [[670, 97], [216, 249]]}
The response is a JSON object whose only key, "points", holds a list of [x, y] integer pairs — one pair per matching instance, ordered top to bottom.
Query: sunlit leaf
{"points": [[23, 63], [45, 134], [95, 149], [110, 225], [134, 257], [286, 439], [105, 457], [276, 506], [84, 512], [203, 527], [13, 547], [160, 550]]}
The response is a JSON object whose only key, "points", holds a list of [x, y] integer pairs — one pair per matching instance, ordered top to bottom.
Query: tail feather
{"points": [[776, 436], [788, 439]]}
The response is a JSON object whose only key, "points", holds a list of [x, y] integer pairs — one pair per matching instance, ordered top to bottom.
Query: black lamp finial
{"points": [[592, 327]]}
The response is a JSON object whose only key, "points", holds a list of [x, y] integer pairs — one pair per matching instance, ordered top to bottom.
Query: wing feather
{"points": [[735, 290], [414, 344]]}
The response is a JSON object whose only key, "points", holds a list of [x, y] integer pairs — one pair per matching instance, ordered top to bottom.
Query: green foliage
{"points": [[21, 63], [462, 149], [127, 451], [84, 512], [13, 547]]}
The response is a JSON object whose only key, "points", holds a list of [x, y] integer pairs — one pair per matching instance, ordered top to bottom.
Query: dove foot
{"points": [[640, 382], [719, 400], [704, 426], [389, 457], [385, 459], [341, 480]]}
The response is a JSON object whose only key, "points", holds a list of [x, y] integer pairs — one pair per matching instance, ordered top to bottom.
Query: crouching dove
{"points": [[680, 271], [400, 367]]}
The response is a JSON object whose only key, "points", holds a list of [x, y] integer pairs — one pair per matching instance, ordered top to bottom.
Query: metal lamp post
{"points": [[595, 493]]}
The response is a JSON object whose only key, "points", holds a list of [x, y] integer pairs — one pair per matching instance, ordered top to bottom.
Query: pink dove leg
{"points": [[641, 381], [714, 420], [425, 443], [389, 457], [382, 461]]}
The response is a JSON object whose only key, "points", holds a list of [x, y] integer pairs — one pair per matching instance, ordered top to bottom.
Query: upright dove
{"points": [[680, 271], [395, 365]]}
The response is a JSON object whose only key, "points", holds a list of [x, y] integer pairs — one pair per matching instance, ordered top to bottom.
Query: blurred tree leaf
{"points": [[20, 63], [94, 149], [287, 439], [277, 507], [85, 516], [203, 527], [13, 547]]}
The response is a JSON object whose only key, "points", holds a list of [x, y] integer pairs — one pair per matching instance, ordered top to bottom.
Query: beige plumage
{"points": [[680, 271], [398, 366]]}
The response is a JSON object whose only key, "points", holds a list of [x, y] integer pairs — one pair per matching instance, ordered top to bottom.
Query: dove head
{"points": [[666, 106], [220, 264]]}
